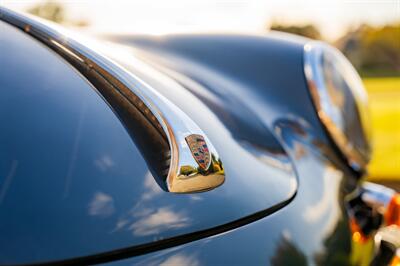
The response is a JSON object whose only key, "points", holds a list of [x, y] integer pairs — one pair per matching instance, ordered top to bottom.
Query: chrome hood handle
{"points": [[192, 162]]}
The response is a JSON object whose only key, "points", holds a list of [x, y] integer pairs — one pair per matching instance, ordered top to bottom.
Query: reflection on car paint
{"points": [[80, 175], [101, 205], [300, 234]]}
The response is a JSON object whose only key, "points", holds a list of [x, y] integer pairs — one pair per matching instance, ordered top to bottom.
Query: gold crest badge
{"points": [[199, 149]]}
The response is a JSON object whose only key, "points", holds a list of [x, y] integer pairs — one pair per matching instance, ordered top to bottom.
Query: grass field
{"points": [[384, 96]]}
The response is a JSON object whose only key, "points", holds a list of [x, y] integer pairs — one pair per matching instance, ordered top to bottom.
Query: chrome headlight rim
{"points": [[314, 73]]}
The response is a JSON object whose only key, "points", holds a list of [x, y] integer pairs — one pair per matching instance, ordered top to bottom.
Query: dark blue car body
{"points": [[76, 185]]}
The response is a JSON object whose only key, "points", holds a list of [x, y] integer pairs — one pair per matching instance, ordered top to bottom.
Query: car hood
{"points": [[75, 186]]}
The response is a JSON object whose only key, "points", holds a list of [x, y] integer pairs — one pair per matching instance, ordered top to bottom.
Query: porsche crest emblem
{"points": [[199, 150]]}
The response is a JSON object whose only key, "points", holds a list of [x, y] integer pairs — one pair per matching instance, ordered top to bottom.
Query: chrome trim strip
{"points": [[312, 70], [184, 174], [377, 196]]}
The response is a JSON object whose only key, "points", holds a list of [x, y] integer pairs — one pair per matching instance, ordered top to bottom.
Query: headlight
{"points": [[341, 101]]}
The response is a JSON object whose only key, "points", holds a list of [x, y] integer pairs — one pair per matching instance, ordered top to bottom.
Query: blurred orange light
{"points": [[397, 199], [392, 215], [356, 237], [395, 261]]}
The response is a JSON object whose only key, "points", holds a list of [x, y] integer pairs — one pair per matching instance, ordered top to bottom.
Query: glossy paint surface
{"points": [[259, 81], [249, 82], [66, 162], [73, 183], [311, 230]]}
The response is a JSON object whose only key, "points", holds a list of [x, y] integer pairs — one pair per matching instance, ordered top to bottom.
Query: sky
{"points": [[333, 18]]}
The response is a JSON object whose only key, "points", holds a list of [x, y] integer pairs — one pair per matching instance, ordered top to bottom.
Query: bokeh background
{"points": [[366, 31]]}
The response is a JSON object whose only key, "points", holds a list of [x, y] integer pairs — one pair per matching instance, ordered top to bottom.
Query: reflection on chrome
{"points": [[341, 101], [186, 173], [196, 178], [101, 205], [374, 212], [389, 234]]}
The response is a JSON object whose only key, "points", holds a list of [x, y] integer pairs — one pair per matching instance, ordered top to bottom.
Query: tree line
{"points": [[374, 51]]}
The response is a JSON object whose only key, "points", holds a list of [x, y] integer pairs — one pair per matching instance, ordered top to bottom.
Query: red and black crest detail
{"points": [[199, 149]]}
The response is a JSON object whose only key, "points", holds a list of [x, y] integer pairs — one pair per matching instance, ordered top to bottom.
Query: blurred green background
{"points": [[384, 95]]}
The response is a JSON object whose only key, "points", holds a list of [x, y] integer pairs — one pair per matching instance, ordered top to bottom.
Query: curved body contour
{"points": [[80, 182]]}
